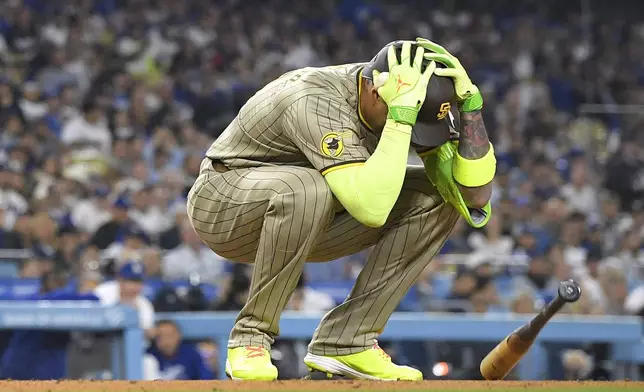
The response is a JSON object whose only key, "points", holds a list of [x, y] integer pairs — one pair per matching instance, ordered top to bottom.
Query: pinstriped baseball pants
{"points": [[279, 217]]}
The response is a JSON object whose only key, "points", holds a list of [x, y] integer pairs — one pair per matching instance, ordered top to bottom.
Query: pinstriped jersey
{"points": [[307, 117]]}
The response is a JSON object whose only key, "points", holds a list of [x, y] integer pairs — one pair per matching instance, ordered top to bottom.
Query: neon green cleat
{"points": [[250, 363], [372, 364]]}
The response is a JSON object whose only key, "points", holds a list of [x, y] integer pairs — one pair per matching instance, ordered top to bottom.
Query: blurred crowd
{"points": [[107, 106]]}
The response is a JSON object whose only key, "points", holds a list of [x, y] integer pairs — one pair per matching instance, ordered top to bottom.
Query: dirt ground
{"points": [[303, 385]]}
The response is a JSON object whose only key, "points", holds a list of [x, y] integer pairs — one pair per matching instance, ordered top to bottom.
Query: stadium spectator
{"points": [[88, 134], [113, 229], [171, 238], [491, 241], [131, 246], [151, 259], [193, 259], [539, 281], [126, 290], [235, 290], [306, 299], [210, 353], [41, 355], [178, 360]]}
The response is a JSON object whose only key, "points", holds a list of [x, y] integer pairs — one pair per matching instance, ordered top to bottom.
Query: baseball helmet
{"points": [[437, 116]]}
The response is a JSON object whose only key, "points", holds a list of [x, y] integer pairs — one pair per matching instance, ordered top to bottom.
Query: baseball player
{"points": [[313, 168]]}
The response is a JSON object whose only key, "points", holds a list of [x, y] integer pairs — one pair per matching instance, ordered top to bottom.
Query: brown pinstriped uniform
{"points": [[269, 204]]}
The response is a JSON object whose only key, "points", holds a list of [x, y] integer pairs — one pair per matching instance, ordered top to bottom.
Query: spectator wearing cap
{"points": [[116, 228], [70, 242], [131, 247], [193, 259], [127, 289], [41, 355], [178, 360]]}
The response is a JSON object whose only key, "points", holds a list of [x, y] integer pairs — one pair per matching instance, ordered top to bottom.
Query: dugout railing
{"points": [[625, 334]]}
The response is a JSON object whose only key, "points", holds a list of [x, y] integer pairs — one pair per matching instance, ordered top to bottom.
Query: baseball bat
{"points": [[504, 357]]}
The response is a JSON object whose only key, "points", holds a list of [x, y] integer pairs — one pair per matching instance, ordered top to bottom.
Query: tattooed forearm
{"points": [[473, 141], [474, 144]]}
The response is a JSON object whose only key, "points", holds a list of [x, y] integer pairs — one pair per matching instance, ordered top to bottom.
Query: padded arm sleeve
{"points": [[370, 190]]}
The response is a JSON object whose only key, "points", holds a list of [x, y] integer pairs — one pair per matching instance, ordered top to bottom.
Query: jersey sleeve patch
{"points": [[332, 144]]}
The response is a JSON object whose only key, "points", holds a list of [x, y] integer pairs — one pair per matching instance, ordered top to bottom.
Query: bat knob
{"points": [[569, 290]]}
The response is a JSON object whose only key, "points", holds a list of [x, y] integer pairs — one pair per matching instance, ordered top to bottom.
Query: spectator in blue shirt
{"points": [[41, 355], [178, 360]]}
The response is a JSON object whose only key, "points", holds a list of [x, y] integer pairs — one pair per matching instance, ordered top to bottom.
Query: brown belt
{"points": [[219, 167]]}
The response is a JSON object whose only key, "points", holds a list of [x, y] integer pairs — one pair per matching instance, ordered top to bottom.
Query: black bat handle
{"points": [[569, 291]]}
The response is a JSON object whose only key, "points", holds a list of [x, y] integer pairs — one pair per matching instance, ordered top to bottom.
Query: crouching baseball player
{"points": [[314, 167]]}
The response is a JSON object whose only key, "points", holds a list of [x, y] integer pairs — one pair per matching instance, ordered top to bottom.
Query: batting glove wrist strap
{"points": [[473, 103], [403, 115]]}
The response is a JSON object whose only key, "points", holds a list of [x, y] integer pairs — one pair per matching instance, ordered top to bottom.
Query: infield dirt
{"points": [[321, 386]]}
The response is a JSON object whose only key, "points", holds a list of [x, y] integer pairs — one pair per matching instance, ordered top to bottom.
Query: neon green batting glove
{"points": [[404, 87], [468, 95], [438, 166]]}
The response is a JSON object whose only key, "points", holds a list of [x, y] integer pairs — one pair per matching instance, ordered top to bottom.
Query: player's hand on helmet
{"points": [[404, 87], [468, 95]]}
